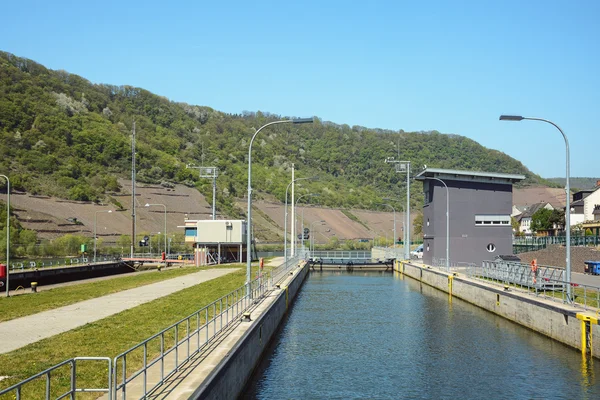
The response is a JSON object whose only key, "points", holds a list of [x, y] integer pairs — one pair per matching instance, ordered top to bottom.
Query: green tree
{"points": [[544, 219], [418, 224], [515, 226]]}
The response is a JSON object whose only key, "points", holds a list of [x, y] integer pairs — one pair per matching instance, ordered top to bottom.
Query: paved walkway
{"points": [[20, 332]]}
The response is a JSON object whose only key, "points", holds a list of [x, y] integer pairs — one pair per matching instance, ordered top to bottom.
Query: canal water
{"points": [[382, 336]]}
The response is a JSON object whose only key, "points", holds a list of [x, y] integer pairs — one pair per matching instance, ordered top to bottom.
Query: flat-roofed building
{"points": [[480, 206], [216, 241]]}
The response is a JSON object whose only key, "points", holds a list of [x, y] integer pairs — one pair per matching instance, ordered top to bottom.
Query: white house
{"points": [[589, 203], [525, 217]]}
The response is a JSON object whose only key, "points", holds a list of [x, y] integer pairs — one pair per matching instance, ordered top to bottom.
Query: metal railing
{"points": [[543, 241], [387, 253], [338, 254], [440, 263], [28, 265], [279, 273], [520, 274], [545, 281], [184, 339], [17, 389]]}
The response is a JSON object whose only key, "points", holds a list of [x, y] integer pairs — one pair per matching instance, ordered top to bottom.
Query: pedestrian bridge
{"points": [[377, 257]]}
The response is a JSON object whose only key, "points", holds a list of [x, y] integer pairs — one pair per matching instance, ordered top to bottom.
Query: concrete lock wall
{"points": [[558, 321], [229, 378]]}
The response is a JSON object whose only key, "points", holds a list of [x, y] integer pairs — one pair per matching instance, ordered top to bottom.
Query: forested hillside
{"points": [[64, 136], [577, 182]]}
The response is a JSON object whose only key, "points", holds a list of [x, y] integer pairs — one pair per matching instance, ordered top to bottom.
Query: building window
{"points": [[492, 220], [191, 232], [491, 247]]}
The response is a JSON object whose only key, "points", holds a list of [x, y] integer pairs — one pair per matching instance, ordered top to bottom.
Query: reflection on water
{"points": [[378, 335]]}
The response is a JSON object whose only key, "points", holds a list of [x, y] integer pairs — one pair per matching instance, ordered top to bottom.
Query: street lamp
{"points": [[404, 166], [567, 190], [297, 200], [385, 204], [165, 207], [249, 214], [285, 217], [447, 221], [95, 223], [7, 232]]}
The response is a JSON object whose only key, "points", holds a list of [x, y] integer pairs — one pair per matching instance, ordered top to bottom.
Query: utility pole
{"points": [[404, 167], [133, 191], [293, 222]]}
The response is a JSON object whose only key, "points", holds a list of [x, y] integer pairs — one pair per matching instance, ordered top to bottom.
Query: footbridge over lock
{"points": [[376, 259]]}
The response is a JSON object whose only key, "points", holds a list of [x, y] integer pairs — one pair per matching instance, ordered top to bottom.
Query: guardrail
{"points": [[576, 240], [350, 255], [440, 263], [27, 265], [279, 273], [546, 281], [182, 340], [179, 342], [17, 389]]}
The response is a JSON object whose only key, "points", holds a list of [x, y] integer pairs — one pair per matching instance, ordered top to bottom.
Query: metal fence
{"points": [[523, 244], [346, 255], [440, 263], [279, 273], [545, 281], [181, 341], [18, 389]]}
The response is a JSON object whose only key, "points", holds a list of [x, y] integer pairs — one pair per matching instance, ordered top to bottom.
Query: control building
{"points": [[480, 205], [216, 241]]}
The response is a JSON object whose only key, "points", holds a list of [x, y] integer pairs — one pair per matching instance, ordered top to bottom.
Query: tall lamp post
{"points": [[404, 166], [567, 190], [299, 197], [385, 204], [165, 207], [249, 213], [285, 218], [447, 221], [95, 224], [7, 232]]}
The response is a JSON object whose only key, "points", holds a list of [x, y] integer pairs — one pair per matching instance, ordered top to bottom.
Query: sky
{"points": [[451, 66]]}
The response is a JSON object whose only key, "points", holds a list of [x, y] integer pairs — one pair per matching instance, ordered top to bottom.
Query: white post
{"points": [[293, 222]]}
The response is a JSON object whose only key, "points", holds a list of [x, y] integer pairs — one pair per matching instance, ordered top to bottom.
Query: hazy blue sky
{"points": [[452, 66]]}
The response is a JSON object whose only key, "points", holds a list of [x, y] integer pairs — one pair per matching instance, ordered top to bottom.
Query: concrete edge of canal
{"points": [[566, 324], [227, 378]]}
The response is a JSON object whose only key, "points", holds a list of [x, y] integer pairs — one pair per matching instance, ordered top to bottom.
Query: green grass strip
{"points": [[28, 304], [107, 338]]}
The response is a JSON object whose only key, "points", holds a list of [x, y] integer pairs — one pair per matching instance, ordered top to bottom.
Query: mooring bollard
{"points": [[34, 287]]}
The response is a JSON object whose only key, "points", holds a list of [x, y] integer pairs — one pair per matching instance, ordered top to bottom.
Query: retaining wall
{"points": [[569, 325], [229, 377]]}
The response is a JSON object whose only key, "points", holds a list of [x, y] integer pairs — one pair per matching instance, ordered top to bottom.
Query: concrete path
{"points": [[20, 332]]}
